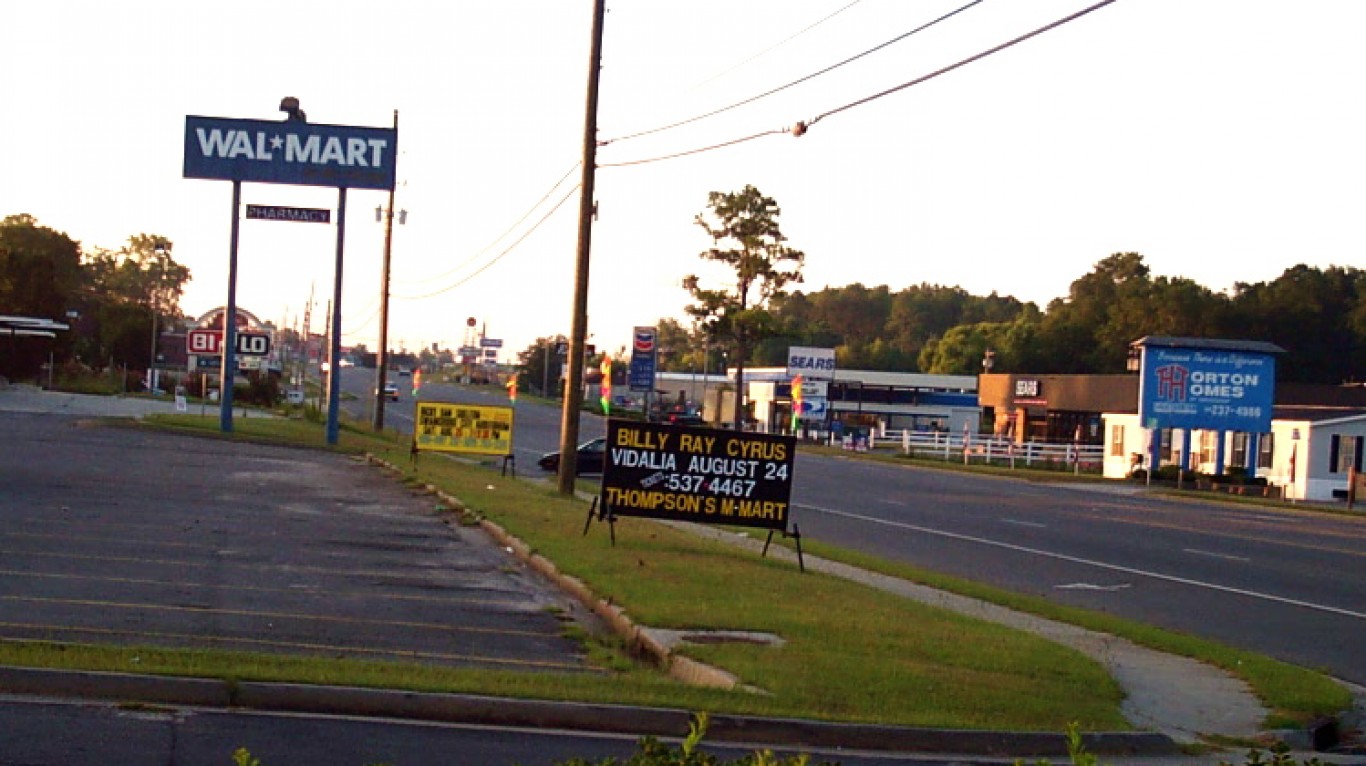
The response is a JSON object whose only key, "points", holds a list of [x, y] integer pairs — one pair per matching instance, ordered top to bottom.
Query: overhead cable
{"points": [[777, 45], [964, 62], [798, 81], [799, 128], [499, 238], [498, 257]]}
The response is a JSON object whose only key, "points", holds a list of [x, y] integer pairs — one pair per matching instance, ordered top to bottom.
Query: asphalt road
{"points": [[536, 425], [116, 535], [1285, 583], [1290, 584], [61, 733]]}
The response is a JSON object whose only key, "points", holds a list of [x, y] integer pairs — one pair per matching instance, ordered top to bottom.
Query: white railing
{"points": [[976, 448]]}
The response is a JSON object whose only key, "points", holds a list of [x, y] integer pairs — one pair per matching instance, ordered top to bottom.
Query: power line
{"points": [[776, 45], [964, 62], [798, 81], [801, 127], [692, 151], [499, 238], [498, 257], [370, 317]]}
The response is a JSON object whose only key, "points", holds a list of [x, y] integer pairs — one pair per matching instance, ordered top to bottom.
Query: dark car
{"points": [[683, 419], [590, 455]]}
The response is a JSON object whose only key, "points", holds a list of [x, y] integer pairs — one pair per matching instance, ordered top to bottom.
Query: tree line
{"points": [[111, 299], [1317, 315]]}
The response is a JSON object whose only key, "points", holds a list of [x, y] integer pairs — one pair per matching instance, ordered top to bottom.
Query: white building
{"points": [[867, 399], [1308, 453]]}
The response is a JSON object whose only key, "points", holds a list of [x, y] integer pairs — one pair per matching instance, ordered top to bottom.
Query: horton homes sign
{"points": [[290, 152], [1201, 383]]}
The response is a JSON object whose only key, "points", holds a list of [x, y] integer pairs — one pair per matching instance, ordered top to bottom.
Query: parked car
{"points": [[590, 457]]}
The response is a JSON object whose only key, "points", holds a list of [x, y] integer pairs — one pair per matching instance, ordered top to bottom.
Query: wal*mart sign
{"points": [[297, 153], [1207, 389], [697, 474]]}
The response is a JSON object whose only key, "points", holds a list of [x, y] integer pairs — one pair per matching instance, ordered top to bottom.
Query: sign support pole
{"points": [[334, 343], [228, 370]]}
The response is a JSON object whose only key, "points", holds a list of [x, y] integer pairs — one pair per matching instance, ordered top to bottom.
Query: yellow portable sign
{"points": [[478, 429]]}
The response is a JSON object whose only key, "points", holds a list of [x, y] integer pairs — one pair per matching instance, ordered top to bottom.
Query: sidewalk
{"points": [[20, 398]]}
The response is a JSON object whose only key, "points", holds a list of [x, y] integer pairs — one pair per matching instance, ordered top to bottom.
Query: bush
{"points": [[261, 390]]}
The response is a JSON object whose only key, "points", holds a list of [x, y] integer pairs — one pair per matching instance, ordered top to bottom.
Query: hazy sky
{"points": [[1225, 140]]}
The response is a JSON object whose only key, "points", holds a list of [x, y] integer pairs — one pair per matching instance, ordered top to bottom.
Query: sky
{"points": [[1224, 140]]}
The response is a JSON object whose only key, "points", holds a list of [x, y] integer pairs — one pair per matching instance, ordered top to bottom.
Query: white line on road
{"points": [[1019, 523], [1213, 555], [1087, 562], [1092, 586]]}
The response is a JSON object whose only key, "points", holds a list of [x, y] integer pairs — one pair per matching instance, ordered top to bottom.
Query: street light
{"points": [[163, 249]]}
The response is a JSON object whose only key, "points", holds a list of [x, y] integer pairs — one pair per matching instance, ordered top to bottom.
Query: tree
{"points": [[747, 222], [40, 276], [131, 291], [1315, 314], [540, 363]]}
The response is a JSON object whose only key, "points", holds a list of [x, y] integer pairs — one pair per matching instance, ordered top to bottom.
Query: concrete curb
{"points": [[638, 640], [613, 719], [747, 729]]}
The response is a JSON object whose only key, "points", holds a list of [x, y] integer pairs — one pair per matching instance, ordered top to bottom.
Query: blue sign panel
{"points": [[298, 153], [643, 355], [1206, 389]]}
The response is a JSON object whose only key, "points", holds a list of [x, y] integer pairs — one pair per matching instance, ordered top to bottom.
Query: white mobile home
{"points": [[1308, 453]]}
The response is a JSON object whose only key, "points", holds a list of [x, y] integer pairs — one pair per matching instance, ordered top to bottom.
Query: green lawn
{"points": [[852, 653]]}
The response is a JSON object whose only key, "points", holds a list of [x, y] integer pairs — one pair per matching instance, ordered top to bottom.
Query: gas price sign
{"points": [[697, 474]]}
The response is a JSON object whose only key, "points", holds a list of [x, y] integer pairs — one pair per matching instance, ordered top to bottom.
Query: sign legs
{"points": [[334, 343], [228, 370]]}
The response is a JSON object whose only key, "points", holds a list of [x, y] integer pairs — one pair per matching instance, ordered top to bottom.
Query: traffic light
{"points": [[796, 401]]}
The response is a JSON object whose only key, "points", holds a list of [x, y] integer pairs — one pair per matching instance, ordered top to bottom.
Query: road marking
{"points": [[1019, 523], [1213, 555], [1087, 562], [1091, 586], [293, 590], [281, 616], [330, 649]]}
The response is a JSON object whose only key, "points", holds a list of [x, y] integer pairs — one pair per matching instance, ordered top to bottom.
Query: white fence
{"points": [[975, 448]]}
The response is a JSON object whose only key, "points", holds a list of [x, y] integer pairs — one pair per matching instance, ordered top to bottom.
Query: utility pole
{"points": [[382, 371], [573, 391]]}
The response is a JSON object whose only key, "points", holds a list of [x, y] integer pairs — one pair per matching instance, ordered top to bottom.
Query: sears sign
{"points": [[810, 362], [1207, 389]]}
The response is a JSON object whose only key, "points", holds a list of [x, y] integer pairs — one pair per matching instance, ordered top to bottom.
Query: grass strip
{"points": [[852, 653]]}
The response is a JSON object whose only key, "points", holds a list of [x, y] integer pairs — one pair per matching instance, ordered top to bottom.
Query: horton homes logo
{"points": [[290, 153], [1177, 383]]}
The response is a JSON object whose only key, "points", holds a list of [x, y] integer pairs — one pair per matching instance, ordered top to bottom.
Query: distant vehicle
{"points": [[404, 372], [391, 391], [683, 419], [590, 455]]}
